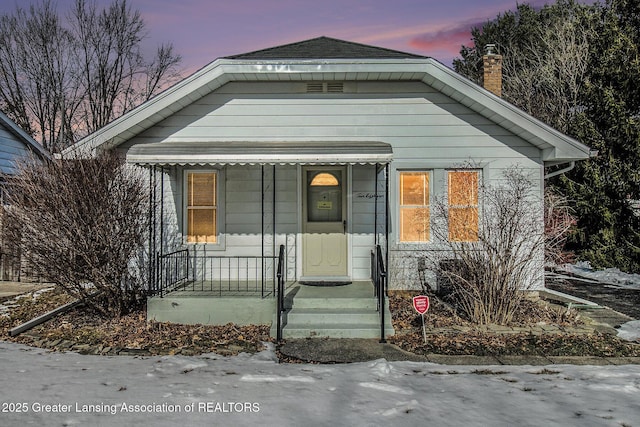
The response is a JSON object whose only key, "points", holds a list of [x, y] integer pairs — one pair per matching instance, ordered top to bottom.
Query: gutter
{"points": [[572, 164]]}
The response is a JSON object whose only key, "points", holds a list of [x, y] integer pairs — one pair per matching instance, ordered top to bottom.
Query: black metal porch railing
{"points": [[172, 271], [188, 271], [234, 275], [379, 278]]}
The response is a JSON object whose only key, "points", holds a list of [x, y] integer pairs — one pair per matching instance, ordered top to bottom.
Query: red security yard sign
{"points": [[421, 303]]}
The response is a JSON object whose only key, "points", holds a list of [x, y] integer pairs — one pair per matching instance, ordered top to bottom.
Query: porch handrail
{"points": [[172, 270], [379, 278], [280, 295]]}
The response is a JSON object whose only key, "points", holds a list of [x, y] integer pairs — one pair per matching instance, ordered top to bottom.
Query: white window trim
{"points": [[398, 172], [481, 175], [438, 191], [220, 209]]}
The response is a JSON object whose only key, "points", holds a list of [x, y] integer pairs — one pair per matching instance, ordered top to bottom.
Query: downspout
{"points": [[572, 164]]}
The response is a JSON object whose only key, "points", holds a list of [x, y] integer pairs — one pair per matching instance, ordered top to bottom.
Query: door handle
{"points": [[344, 225]]}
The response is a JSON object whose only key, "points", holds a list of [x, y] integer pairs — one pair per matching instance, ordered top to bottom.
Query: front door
{"points": [[324, 238]]}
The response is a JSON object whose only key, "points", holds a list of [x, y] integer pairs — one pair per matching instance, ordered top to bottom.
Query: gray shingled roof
{"points": [[325, 48]]}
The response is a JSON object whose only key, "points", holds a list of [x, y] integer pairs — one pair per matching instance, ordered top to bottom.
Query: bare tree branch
{"points": [[63, 80], [80, 224]]}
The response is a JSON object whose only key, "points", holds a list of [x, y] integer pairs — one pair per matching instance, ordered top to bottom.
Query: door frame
{"points": [[302, 182]]}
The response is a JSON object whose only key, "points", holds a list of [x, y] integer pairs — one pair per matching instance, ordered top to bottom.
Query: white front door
{"points": [[324, 223]]}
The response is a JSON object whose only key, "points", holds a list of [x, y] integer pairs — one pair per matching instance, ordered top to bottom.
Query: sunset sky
{"points": [[203, 30]]}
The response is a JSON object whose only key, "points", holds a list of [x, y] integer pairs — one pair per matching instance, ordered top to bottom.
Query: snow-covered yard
{"points": [[54, 389], [64, 389]]}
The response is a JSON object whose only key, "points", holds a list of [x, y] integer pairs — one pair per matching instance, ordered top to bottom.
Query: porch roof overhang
{"points": [[260, 152]]}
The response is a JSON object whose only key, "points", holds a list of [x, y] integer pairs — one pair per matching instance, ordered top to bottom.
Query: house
{"points": [[15, 144], [328, 149]]}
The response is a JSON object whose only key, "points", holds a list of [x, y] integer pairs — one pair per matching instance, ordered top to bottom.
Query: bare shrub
{"points": [[80, 223], [487, 274]]}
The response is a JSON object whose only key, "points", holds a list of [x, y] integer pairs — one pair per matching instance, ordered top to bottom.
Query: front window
{"points": [[463, 205], [414, 206], [202, 207]]}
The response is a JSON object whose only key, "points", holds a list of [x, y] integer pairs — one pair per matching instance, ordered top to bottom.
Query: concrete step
{"points": [[301, 302], [337, 312], [308, 316], [343, 330]]}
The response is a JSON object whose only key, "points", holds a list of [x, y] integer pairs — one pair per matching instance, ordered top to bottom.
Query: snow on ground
{"points": [[609, 276], [6, 307], [630, 331], [53, 389]]}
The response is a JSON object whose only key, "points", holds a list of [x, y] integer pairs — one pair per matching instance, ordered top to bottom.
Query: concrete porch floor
{"points": [[356, 289], [346, 311]]}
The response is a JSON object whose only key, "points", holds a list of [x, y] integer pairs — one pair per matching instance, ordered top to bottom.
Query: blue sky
{"points": [[203, 30]]}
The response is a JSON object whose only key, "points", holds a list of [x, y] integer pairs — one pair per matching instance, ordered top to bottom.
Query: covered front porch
{"points": [[316, 215]]}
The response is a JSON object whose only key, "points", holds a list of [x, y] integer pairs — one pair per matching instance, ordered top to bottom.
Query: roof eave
{"points": [[24, 137], [554, 145]]}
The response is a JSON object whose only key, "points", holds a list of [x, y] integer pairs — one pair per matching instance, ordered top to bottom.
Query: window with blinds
{"points": [[463, 205], [414, 206], [202, 207]]}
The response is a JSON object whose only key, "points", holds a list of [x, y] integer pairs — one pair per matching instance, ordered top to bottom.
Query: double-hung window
{"points": [[463, 205], [414, 206], [202, 207]]}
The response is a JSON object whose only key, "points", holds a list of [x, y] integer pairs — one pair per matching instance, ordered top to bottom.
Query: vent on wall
{"points": [[323, 87]]}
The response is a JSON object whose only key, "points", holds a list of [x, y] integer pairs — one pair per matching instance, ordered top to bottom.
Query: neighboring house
{"points": [[15, 144], [326, 147]]}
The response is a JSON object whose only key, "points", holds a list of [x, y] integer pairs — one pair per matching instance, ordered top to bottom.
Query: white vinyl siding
{"points": [[427, 130], [11, 149]]}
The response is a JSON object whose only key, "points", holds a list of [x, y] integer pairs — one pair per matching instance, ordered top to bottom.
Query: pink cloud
{"points": [[445, 39]]}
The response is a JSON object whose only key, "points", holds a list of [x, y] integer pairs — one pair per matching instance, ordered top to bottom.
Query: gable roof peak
{"points": [[325, 48], [23, 136]]}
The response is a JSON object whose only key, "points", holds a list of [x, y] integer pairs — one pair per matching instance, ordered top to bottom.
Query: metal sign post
{"points": [[421, 304]]}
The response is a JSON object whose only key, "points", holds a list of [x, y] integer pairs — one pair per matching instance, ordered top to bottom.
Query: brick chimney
{"points": [[492, 66]]}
